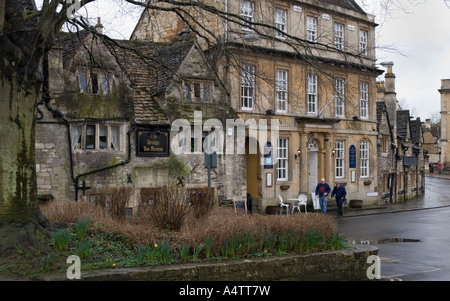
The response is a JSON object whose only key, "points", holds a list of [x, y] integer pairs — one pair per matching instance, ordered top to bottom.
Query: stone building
{"points": [[308, 66], [106, 114], [445, 124], [431, 142], [401, 155]]}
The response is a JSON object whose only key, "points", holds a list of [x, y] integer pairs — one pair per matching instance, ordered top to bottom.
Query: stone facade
{"points": [[90, 117], [445, 124], [312, 128], [401, 156]]}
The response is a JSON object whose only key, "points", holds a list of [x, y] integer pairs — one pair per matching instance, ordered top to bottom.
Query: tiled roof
{"points": [[151, 67], [402, 124]]}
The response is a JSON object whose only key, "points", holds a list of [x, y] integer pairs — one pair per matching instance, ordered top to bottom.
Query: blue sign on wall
{"points": [[268, 155], [352, 156]]}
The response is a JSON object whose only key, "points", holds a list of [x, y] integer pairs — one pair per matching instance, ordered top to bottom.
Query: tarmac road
{"points": [[413, 238]]}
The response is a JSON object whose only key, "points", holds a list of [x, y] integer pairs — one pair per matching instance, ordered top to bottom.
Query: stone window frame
{"points": [[247, 13], [279, 24], [339, 35], [363, 39], [93, 82], [192, 86], [248, 86], [281, 90], [312, 94], [340, 97], [364, 99], [79, 136], [339, 147], [364, 152], [283, 159]]}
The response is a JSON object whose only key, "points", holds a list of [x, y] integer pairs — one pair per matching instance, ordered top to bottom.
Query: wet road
{"points": [[413, 244]]}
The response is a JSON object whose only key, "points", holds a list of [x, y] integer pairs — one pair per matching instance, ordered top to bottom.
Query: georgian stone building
{"points": [[308, 65]]}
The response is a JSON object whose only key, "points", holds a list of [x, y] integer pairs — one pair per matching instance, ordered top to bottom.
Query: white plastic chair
{"points": [[302, 200], [315, 201], [283, 205]]}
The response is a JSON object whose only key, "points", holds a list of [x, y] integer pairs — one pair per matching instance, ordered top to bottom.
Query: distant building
{"points": [[445, 124], [401, 154]]}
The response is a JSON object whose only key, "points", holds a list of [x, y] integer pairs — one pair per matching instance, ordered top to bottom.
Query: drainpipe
{"points": [[128, 160]]}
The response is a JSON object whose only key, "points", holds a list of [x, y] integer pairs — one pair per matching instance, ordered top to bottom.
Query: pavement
{"points": [[431, 199]]}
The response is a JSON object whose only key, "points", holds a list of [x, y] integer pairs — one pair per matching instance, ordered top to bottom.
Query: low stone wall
{"points": [[348, 264]]}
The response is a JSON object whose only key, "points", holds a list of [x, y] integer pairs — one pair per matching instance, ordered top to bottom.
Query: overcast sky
{"points": [[421, 33], [417, 36]]}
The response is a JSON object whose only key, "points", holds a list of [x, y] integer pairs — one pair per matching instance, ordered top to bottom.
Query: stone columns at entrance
{"points": [[303, 162]]}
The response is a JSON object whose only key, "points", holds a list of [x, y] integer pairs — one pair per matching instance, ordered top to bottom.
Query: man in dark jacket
{"points": [[322, 192], [340, 193]]}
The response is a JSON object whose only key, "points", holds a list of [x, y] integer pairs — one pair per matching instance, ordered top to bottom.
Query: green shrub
{"points": [[82, 227], [61, 239]]}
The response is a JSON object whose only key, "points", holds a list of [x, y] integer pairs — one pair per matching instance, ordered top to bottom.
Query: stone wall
{"points": [[349, 264]]}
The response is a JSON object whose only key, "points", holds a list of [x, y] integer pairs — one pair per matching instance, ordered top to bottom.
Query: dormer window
{"points": [[90, 83], [197, 91]]}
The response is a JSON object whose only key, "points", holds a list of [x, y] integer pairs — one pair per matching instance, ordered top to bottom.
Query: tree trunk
{"points": [[20, 216]]}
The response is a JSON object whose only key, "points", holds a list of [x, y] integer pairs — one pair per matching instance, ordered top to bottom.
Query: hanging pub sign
{"points": [[153, 142]]}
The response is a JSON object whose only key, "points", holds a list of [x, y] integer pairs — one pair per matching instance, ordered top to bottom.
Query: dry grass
{"points": [[219, 225]]}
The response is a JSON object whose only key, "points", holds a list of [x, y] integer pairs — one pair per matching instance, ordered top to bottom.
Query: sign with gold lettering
{"points": [[153, 142]]}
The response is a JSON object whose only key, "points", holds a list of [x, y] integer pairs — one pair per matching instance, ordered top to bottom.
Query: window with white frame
{"points": [[247, 13], [280, 23], [311, 29], [339, 36], [363, 42], [248, 87], [282, 90], [312, 93], [340, 97], [364, 99], [95, 136], [282, 153], [364, 158], [339, 161]]}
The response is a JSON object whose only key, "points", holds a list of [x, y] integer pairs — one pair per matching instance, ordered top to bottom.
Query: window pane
{"points": [[247, 12], [280, 22], [311, 29], [339, 36], [82, 80], [94, 82], [105, 84], [247, 86], [282, 90], [187, 92], [206, 93], [312, 93], [340, 98], [364, 99], [90, 137], [102, 137], [115, 137], [282, 153]]}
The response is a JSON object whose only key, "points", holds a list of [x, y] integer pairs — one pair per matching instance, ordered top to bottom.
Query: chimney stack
{"points": [[99, 26]]}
